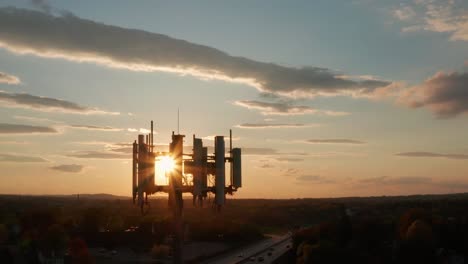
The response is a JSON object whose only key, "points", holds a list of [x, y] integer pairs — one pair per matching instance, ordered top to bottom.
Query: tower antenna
{"points": [[178, 132]]}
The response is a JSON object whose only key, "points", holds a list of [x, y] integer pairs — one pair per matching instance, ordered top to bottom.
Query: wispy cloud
{"points": [[404, 12], [448, 16], [72, 38], [9, 79], [445, 94], [47, 104], [284, 108], [35, 119], [62, 125], [273, 125], [6, 128], [99, 128], [18, 129], [141, 130], [211, 138], [335, 141], [14, 142], [92, 143], [128, 149], [259, 151], [334, 154], [98, 155], [432, 155], [20, 158], [288, 159], [269, 161], [266, 166], [70, 168], [289, 171], [316, 179], [374, 180], [386, 180], [409, 180], [452, 184], [455, 184]]}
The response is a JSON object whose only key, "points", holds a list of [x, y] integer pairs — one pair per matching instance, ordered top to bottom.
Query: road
{"points": [[268, 249]]}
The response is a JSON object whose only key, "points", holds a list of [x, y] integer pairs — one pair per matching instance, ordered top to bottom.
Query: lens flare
{"points": [[166, 163]]}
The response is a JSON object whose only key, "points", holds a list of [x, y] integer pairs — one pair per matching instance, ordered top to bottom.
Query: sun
{"points": [[166, 163]]}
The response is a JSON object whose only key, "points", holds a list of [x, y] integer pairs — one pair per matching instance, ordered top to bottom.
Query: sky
{"points": [[325, 98]]}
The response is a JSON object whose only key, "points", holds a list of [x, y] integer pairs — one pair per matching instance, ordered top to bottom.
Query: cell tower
{"points": [[178, 165]]}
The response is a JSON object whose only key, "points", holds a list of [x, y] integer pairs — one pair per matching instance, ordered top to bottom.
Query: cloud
{"points": [[42, 5], [404, 12], [435, 16], [76, 39], [9, 79], [445, 94], [47, 104], [283, 108], [35, 119], [272, 125], [6, 128], [100, 128], [15, 129], [141, 130], [211, 138], [335, 141], [14, 142], [95, 143], [125, 149], [259, 151], [334, 154], [98, 155], [432, 155], [20, 158], [288, 159], [268, 162], [266, 166], [71, 168], [289, 171], [308, 178], [313, 179], [374, 180], [407, 180], [414, 180], [454, 184]]}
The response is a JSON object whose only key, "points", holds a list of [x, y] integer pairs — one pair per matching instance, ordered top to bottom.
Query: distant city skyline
{"points": [[326, 98]]}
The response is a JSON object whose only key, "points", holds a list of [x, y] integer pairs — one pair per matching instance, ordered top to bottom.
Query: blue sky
{"points": [[410, 116]]}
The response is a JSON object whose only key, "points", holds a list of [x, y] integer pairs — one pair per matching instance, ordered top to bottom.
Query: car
{"points": [[114, 252], [269, 253], [240, 255], [260, 259]]}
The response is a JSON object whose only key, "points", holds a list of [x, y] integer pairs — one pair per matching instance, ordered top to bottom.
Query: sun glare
{"points": [[166, 163]]}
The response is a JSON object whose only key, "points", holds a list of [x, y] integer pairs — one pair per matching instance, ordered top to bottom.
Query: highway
{"points": [[265, 251]]}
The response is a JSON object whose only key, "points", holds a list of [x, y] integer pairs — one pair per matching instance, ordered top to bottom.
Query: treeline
{"points": [[368, 230], [388, 231]]}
